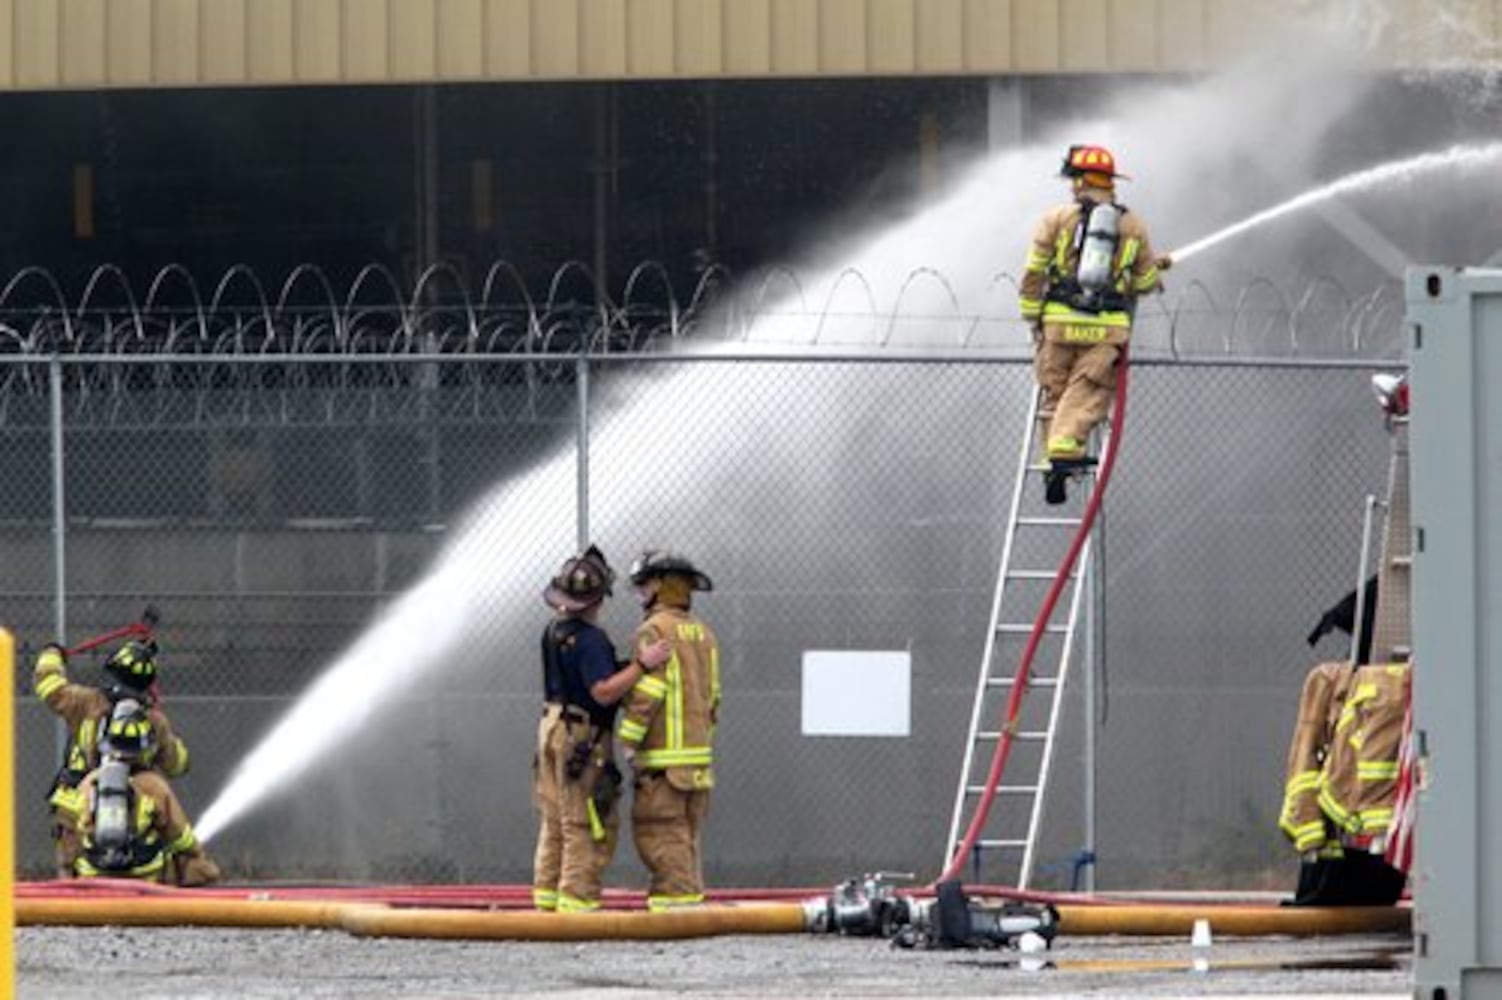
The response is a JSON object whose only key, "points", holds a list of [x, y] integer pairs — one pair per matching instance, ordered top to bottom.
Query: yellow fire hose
{"points": [[176, 912], [369, 920], [1177, 920], [522, 925]]}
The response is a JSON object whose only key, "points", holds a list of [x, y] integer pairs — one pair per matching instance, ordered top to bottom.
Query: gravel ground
{"points": [[76, 962]]}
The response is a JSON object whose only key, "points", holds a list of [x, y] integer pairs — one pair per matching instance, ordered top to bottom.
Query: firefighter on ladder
{"points": [[1089, 262], [668, 730], [576, 782]]}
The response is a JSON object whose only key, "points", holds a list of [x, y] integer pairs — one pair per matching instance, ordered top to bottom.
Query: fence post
{"points": [[581, 479], [59, 529], [1095, 596]]}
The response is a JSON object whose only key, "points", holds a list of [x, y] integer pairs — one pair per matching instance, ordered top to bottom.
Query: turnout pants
{"points": [[1078, 382], [665, 822], [575, 839]]}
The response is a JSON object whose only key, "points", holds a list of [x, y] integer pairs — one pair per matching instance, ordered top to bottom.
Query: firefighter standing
{"points": [[1089, 262], [86, 710], [668, 730], [576, 783], [128, 822]]}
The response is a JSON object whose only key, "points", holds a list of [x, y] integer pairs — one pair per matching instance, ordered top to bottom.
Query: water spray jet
{"points": [[1456, 157]]}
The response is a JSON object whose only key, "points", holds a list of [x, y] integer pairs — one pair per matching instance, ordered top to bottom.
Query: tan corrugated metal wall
{"points": [[46, 44]]}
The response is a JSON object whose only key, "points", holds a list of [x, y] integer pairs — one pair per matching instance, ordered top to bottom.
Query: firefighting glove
{"points": [[1325, 626]]}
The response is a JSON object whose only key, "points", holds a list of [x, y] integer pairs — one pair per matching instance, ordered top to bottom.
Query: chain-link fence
{"points": [[274, 509]]}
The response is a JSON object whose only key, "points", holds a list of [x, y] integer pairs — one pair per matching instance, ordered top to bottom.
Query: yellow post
{"points": [[7, 816]]}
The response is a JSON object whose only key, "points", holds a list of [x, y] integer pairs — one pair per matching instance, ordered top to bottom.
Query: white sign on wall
{"points": [[857, 692]]}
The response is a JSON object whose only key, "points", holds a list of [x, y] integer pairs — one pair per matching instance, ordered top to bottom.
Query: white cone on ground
{"points": [[1200, 936], [1199, 939]]}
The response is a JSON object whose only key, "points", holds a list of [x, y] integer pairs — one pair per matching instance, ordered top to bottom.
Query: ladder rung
{"points": [[1084, 470], [1049, 522], [1400, 561], [1036, 574], [1017, 628], [1403, 652], [1040, 682], [1031, 736], [1003, 789], [994, 845]]}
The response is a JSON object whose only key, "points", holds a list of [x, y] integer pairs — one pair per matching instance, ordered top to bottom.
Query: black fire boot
{"points": [[1054, 491]]}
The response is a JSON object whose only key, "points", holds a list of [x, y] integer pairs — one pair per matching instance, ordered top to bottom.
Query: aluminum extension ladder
{"points": [[1037, 540]]}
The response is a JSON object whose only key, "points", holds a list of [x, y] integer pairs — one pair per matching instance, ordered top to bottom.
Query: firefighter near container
{"points": [[1089, 262], [668, 729], [576, 783]]}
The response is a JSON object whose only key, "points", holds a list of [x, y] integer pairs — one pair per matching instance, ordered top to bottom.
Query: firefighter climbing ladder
{"points": [[1033, 550]]}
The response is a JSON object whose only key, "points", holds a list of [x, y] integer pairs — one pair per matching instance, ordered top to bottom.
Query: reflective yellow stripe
{"points": [[1061, 249], [1129, 250], [1037, 260], [1146, 280], [1031, 308], [1058, 312], [1065, 447], [714, 684], [47, 685], [653, 687], [675, 704], [632, 731], [676, 757], [1377, 770], [1304, 781], [68, 800], [145, 809], [1337, 812], [1374, 820], [596, 828], [1305, 836], [186, 841], [545, 899], [573, 904], [657, 904]]}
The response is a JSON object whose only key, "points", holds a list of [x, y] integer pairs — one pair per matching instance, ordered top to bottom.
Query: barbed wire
{"points": [[442, 313]]}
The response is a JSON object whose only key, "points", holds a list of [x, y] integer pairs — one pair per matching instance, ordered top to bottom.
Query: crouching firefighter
{"points": [[1090, 260], [132, 674], [576, 783], [129, 823]]}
